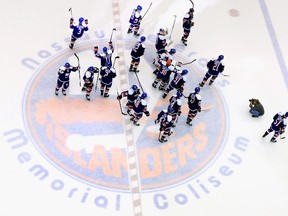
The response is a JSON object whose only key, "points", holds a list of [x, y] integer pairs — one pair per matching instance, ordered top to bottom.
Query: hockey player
{"points": [[135, 21], [187, 25], [78, 30], [161, 42], [137, 51], [106, 55], [167, 55], [215, 67], [107, 75], [163, 75], [63, 77], [88, 80], [177, 83], [132, 94], [176, 104], [194, 105], [139, 107], [256, 108], [165, 119], [278, 126]]}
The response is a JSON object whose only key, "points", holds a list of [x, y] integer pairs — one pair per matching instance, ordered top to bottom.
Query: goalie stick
{"points": [[78, 68], [120, 103]]}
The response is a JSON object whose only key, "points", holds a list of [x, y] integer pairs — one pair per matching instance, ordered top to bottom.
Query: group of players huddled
{"points": [[168, 76]]}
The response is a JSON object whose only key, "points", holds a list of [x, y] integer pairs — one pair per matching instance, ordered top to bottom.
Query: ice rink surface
{"points": [[67, 156]]}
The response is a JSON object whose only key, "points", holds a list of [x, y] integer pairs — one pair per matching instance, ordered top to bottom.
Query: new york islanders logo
{"points": [[87, 140]]}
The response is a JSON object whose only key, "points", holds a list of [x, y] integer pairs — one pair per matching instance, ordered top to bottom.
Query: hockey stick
{"points": [[192, 4], [70, 9], [146, 11], [172, 27], [114, 29], [116, 57], [189, 62], [78, 68], [226, 75], [138, 81], [96, 84], [120, 104], [159, 136]]}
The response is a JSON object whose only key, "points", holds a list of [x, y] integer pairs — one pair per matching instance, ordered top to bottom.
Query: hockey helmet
{"points": [[139, 7], [81, 19], [162, 31], [142, 39], [105, 49], [172, 51], [220, 57], [108, 64], [67, 65], [91, 68], [184, 72], [134, 87], [197, 89], [179, 94], [143, 95], [170, 109], [286, 114]]}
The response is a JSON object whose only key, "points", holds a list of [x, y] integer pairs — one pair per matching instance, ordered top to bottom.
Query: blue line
{"points": [[274, 40]]}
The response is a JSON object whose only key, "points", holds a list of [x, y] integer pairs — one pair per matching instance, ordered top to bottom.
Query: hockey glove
{"points": [[71, 20], [86, 21], [119, 97], [199, 109], [147, 113], [156, 121]]}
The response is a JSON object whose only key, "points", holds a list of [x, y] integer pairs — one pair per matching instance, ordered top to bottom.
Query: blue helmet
{"points": [[139, 7], [81, 19], [142, 39], [105, 49], [172, 51], [220, 57], [108, 64], [67, 65], [91, 68], [184, 72], [134, 87], [197, 89], [179, 94], [143, 95], [170, 109], [286, 114]]}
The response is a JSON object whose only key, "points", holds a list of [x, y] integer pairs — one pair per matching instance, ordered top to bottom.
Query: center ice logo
{"points": [[87, 141]]}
